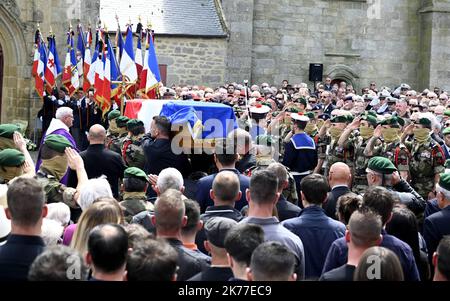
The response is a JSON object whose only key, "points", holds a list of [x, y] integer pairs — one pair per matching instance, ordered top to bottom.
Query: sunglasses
{"points": [[447, 124]]}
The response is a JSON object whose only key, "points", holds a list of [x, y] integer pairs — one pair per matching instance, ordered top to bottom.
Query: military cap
{"points": [[405, 86], [384, 94], [392, 100], [303, 101], [265, 103], [259, 109], [292, 110], [447, 112], [113, 114], [310, 115], [323, 116], [299, 117], [339, 119], [370, 119], [394, 120], [122, 121], [424, 121], [134, 123], [7, 130], [446, 131], [264, 140], [57, 142], [11, 157], [447, 163], [382, 165], [134, 172], [444, 181], [217, 228]]}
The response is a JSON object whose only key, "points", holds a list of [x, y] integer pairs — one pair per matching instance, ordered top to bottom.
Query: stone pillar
{"points": [[239, 20], [435, 41]]}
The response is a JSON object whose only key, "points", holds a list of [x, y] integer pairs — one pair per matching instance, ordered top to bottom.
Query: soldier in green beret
{"points": [[113, 130], [358, 134], [6, 135], [116, 142], [390, 146], [132, 151], [335, 153], [57, 154], [427, 157], [15, 162], [382, 172], [134, 201]]}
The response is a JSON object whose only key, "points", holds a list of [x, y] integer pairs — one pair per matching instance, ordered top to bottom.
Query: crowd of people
{"points": [[312, 184]]}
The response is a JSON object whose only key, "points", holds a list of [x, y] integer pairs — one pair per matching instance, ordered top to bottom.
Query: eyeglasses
{"points": [[442, 99], [447, 124]]}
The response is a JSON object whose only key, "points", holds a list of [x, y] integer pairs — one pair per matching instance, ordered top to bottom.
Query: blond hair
{"points": [[98, 213]]}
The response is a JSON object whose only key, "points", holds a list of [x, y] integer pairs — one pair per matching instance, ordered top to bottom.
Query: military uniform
{"points": [[116, 142], [395, 151], [133, 152], [426, 161], [10, 164], [55, 191], [134, 203]]}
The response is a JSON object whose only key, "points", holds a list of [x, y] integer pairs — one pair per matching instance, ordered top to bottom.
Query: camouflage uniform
{"points": [[117, 142], [395, 151], [133, 152], [339, 154], [426, 160], [360, 164], [54, 191], [290, 192], [134, 203]]}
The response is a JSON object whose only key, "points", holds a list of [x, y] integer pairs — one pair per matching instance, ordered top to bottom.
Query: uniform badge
{"points": [[426, 155]]}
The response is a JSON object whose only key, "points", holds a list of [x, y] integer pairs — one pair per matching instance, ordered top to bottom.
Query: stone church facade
{"points": [[358, 41]]}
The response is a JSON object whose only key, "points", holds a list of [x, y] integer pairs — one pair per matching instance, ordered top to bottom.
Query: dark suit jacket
{"points": [[329, 109], [446, 153], [98, 161], [205, 185], [330, 205], [287, 210], [435, 227], [17, 255]]}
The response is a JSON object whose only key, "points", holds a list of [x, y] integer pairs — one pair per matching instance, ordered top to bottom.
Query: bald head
{"points": [[97, 134], [339, 174], [226, 187]]}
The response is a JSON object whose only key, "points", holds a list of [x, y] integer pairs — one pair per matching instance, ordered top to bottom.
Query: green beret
{"points": [[303, 101], [267, 104], [292, 110], [447, 112], [372, 113], [113, 114], [275, 114], [310, 115], [350, 117], [339, 119], [370, 119], [121, 121], [395, 121], [424, 121], [134, 123], [7, 130], [446, 131], [265, 140], [57, 142], [11, 157], [447, 163], [382, 165], [134, 172], [444, 181]]}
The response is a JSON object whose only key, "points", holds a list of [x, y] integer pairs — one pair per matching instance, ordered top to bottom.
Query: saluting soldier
{"points": [[258, 114], [113, 131], [358, 134], [390, 146], [300, 154], [427, 158]]}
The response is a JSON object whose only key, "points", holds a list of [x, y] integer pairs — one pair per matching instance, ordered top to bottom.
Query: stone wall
{"points": [[192, 61]]}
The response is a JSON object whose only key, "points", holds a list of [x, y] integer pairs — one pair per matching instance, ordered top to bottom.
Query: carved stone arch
{"points": [[15, 57], [343, 72]]}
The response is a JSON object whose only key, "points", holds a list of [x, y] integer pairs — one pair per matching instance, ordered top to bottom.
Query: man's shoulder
{"points": [[439, 216], [393, 243]]}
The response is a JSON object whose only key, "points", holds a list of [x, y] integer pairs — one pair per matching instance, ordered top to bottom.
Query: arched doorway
{"points": [[1, 78]]}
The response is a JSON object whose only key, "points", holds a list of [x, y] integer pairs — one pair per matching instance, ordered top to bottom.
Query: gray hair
{"points": [[63, 112], [169, 178], [387, 178], [92, 190], [444, 191], [59, 212], [51, 232]]}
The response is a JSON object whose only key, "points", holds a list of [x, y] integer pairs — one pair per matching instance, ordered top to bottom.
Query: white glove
{"points": [[53, 98], [60, 102], [40, 118]]}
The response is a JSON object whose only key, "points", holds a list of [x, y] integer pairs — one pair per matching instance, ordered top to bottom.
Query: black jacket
{"points": [[101, 161], [330, 205], [287, 210], [17, 255]]}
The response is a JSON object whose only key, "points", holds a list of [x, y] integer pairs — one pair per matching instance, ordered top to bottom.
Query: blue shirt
{"points": [[274, 231], [317, 232], [338, 253]]}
